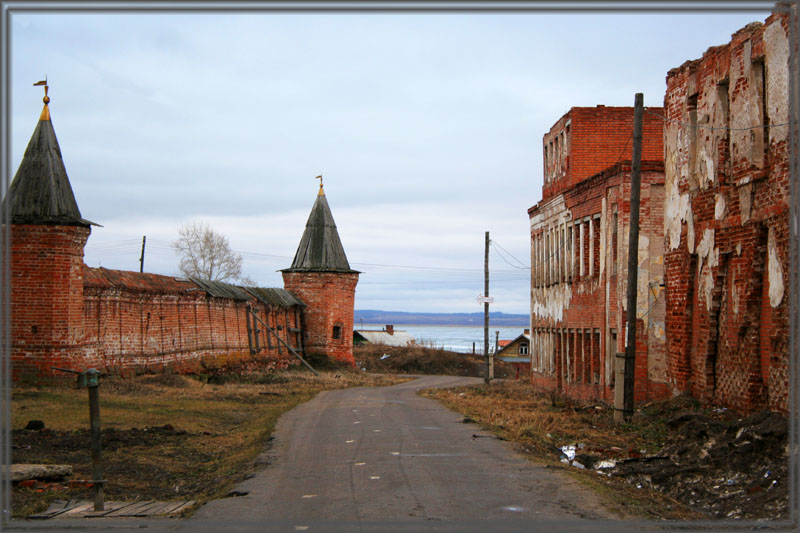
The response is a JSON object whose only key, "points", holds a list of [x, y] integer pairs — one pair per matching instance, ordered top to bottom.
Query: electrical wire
{"points": [[716, 128]]}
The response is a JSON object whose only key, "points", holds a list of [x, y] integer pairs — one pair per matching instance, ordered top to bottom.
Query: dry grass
{"points": [[421, 359], [541, 423], [165, 437]]}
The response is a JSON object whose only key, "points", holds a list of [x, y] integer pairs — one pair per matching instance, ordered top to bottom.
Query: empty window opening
{"points": [[614, 241], [596, 247], [337, 332]]}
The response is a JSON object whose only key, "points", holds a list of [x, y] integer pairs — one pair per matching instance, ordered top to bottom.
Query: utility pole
{"points": [[633, 257], [141, 259], [486, 377]]}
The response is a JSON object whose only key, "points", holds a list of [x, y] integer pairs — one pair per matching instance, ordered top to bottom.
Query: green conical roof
{"points": [[40, 192], [320, 248]]}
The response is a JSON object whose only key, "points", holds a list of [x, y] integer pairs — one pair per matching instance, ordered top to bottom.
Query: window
{"points": [[614, 241], [595, 268], [337, 332], [523, 348]]}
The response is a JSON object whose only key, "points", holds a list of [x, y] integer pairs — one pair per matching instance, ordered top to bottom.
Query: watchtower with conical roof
{"points": [[48, 235], [321, 276]]}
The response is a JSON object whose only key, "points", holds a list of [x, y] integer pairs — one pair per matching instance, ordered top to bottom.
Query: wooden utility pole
{"points": [[633, 257], [141, 259], [486, 375], [94, 427]]}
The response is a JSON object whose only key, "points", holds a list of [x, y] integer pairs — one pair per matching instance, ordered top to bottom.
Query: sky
{"points": [[427, 129]]}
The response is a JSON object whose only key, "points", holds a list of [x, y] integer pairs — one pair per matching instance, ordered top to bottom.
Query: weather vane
{"points": [[46, 98], [320, 182]]}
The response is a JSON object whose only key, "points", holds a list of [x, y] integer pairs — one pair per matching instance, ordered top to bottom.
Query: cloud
{"points": [[427, 129]]}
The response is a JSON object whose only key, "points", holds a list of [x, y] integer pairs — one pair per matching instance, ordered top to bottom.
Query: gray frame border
{"points": [[7, 8]]}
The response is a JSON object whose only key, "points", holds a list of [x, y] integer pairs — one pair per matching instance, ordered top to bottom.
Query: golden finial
{"points": [[46, 111], [321, 192]]}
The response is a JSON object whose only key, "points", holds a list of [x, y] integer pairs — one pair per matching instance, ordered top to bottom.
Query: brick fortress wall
{"points": [[46, 266], [330, 297], [67, 315]]}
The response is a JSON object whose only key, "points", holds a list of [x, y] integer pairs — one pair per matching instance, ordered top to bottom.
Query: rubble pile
{"points": [[724, 467]]}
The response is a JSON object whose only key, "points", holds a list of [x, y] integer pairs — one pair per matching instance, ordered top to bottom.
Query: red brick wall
{"points": [[587, 140], [727, 221], [46, 298], [330, 298], [66, 315], [142, 330], [579, 342]]}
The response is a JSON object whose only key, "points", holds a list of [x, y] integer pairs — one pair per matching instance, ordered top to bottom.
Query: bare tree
{"points": [[206, 254]]}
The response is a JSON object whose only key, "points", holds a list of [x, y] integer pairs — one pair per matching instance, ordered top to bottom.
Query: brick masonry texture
{"points": [[587, 140], [726, 221], [579, 282], [330, 297], [67, 315]]}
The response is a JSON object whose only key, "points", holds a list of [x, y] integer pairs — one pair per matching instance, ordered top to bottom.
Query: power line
{"points": [[716, 128], [500, 254], [524, 266]]}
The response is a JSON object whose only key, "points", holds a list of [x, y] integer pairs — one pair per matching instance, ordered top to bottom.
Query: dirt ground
{"points": [[164, 437], [177, 438], [674, 460], [724, 466]]}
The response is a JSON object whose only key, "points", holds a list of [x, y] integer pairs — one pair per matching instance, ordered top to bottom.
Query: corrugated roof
{"points": [[40, 192], [320, 248], [105, 278], [220, 289], [276, 297], [399, 338]]}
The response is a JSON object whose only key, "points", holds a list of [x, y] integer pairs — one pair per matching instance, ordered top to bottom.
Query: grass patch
{"points": [[164, 437]]}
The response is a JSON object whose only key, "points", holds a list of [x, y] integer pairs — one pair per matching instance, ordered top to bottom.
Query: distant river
{"points": [[454, 338]]}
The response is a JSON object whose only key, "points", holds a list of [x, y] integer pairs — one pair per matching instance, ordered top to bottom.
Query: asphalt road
{"points": [[386, 454]]}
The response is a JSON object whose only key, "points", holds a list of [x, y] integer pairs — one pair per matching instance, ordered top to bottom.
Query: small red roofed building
{"points": [[726, 220], [579, 250]]}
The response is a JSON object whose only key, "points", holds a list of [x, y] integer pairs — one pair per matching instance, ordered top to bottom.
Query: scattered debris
{"points": [[723, 467], [26, 472]]}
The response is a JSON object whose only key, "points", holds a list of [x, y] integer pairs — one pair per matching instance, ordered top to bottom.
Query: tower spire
{"points": [[46, 110], [40, 192]]}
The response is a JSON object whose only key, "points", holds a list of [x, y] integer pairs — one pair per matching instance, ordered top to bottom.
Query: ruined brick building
{"points": [[726, 140], [579, 255], [712, 310], [65, 314]]}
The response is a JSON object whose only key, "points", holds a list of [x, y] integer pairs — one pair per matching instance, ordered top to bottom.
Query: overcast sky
{"points": [[427, 129]]}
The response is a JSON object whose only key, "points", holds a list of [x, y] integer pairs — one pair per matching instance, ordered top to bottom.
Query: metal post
{"points": [[633, 255], [494, 355], [487, 377], [97, 463]]}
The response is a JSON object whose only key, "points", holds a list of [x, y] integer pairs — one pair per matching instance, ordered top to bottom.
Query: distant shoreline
{"points": [[496, 319], [400, 325]]}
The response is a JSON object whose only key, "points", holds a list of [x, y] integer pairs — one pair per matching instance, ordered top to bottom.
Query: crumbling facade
{"points": [[726, 220], [579, 238], [67, 315]]}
